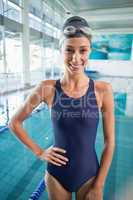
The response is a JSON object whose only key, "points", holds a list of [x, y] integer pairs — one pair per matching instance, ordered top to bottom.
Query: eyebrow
{"points": [[80, 46]]}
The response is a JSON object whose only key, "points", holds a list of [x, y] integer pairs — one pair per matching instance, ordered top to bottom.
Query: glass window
{"points": [[1, 7], [12, 10], [44, 34], [1, 51]]}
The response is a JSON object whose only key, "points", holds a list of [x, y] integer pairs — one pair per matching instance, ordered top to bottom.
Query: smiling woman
{"points": [[72, 91], [72, 163]]}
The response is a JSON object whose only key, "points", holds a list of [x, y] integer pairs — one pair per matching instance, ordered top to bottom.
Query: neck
{"points": [[74, 79]]}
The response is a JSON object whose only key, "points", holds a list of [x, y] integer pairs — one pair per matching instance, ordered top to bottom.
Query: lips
{"points": [[75, 67]]}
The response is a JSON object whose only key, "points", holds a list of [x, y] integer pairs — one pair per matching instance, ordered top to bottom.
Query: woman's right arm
{"points": [[42, 93], [15, 124]]}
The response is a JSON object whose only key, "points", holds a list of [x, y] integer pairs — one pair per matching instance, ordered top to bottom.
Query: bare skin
{"points": [[74, 83], [55, 190]]}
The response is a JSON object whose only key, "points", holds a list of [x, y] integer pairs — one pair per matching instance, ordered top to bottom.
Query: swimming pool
{"points": [[20, 171]]}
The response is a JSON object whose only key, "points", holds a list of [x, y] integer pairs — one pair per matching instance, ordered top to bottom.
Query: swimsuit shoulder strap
{"points": [[58, 85], [91, 85], [56, 92]]}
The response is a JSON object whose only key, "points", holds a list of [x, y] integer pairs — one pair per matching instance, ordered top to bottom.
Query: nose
{"points": [[76, 57]]}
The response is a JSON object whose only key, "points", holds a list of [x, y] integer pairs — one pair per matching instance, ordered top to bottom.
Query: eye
{"points": [[68, 50], [83, 50]]}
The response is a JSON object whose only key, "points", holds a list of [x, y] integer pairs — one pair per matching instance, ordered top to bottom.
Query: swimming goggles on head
{"points": [[72, 30]]}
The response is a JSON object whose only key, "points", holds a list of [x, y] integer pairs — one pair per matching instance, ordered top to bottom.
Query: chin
{"points": [[78, 71]]}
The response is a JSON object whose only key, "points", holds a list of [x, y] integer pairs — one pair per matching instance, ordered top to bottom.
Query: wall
{"points": [[112, 67]]}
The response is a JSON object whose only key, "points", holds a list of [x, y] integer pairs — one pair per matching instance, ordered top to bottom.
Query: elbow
{"points": [[13, 123], [113, 143], [110, 145], [113, 146]]}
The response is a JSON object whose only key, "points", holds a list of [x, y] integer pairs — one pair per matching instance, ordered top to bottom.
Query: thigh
{"points": [[55, 190], [81, 193]]}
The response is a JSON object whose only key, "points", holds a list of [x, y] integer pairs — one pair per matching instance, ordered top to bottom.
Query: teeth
{"points": [[75, 66]]}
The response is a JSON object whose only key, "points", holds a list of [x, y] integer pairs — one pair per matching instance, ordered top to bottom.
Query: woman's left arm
{"points": [[109, 135]]}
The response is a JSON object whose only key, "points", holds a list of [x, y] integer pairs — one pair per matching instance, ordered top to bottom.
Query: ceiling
{"points": [[103, 16]]}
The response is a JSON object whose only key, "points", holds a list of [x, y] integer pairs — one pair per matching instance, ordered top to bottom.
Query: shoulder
{"points": [[49, 82], [46, 85], [102, 86], [43, 89], [47, 89], [104, 93]]}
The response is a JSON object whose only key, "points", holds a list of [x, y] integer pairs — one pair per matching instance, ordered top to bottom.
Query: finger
{"points": [[59, 149], [60, 156], [58, 160], [55, 163]]}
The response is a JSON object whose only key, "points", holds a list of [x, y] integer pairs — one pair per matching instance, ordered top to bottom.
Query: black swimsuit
{"points": [[75, 122]]}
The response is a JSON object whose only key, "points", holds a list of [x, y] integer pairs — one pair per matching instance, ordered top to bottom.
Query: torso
{"points": [[99, 88], [75, 121], [75, 125]]}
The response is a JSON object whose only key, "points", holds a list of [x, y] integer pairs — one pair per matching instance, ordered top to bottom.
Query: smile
{"points": [[75, 67]]}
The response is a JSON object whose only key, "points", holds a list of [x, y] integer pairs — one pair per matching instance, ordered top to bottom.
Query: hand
{"points": [[52, 155], [95, 193]]}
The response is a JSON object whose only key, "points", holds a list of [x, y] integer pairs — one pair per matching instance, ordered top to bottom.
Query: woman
{"points": [[74, 102]]}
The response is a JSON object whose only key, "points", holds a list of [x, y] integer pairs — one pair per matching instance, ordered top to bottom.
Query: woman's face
{"points": [[75, 52]]}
